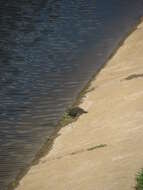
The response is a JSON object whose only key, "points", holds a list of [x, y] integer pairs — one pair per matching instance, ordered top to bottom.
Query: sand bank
{"points": [[102, 150]]}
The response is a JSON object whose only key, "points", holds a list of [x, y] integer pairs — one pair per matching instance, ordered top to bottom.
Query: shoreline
{"points": [[80, 100]]}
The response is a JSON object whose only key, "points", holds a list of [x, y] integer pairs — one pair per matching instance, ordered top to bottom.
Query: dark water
{"points": [[49, 49]]}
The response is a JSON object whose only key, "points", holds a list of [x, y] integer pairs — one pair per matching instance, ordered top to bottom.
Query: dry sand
{"points": [[79, 159]]}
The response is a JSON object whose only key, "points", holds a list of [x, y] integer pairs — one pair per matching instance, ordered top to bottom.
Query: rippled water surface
{"points": [[49, 49]]}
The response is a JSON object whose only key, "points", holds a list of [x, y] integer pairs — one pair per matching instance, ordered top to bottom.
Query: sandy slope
{"points": [[114, 118]]}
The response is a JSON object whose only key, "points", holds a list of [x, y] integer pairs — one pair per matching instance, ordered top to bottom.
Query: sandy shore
{"points": [[102, 150]]}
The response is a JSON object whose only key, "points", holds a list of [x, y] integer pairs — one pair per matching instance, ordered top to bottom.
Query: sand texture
{"points": [[103, 149]]}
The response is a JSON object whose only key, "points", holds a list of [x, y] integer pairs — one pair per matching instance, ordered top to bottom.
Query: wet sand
{"points": [[102, 150]]}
